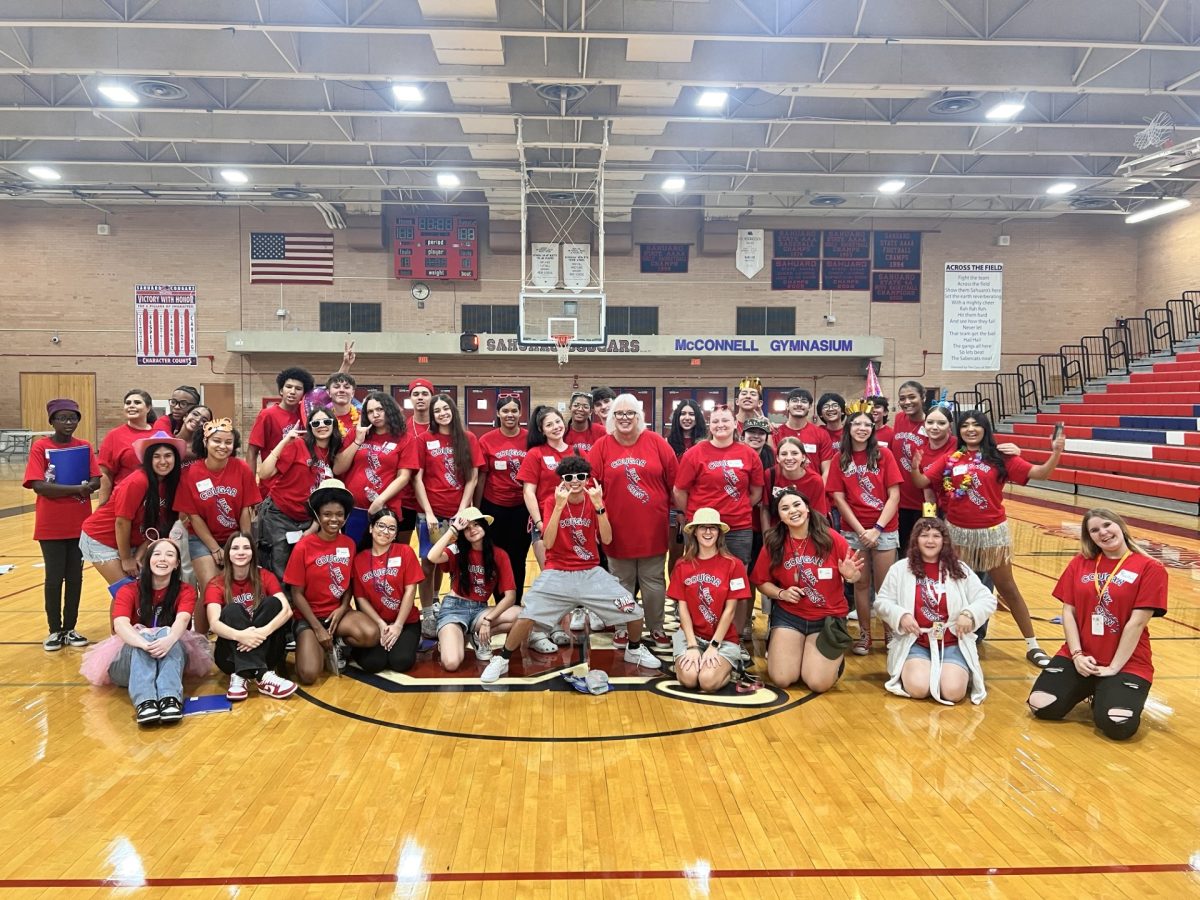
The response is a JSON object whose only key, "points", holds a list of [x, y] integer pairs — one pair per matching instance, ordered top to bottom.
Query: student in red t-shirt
{"points": [[602, 398], [831, 415], [274, 422], [687, 427], [582, 431], [884, 433], [909, 436], [813, 438], [934, 446], [547, 447], [380, 457], [117, 459], [793, 468], [865, 484], [970, 487], [499, 492], [218, 495], [58, 519], [576, 523], [801, 569], [478, 570], [319, 572], [386, 575], [706, 583], [1110, 592], [934, 605], [249, 613]]}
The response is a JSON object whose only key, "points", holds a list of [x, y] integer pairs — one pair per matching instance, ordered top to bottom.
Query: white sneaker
{"points": [[429, 617], [576, 622], [595, 623], [540, 643], [483, 649], [642, 657], [496, 669], [237, 688]]}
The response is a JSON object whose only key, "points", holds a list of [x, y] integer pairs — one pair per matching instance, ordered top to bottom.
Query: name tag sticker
{"points": [[432, 445], [389, 447], [810, 448], [551, 462], [735, 463], [500, 465], [960, 470], [205, 485], [294, 536], [342, 552], [395, 562], [825, 573], [1127, 577], [737, 584], [1097, 624]]}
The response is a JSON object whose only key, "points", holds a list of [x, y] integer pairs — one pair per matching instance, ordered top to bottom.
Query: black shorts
{"points": [[408, 520], [781, 618]]}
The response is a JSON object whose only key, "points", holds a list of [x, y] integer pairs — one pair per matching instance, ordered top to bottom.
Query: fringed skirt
{"points": [[983, 549]]}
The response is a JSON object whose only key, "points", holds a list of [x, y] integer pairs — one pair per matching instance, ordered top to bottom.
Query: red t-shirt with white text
{"points": [[814, 438], [908, 438], [585, 440], [502, 458], [377, 463], [298, 476], [721, 478], [637, 483], [443, 485], [866, 489], [217, 497], [982, 503], [575, 547], [322, 570], [817, 577], [382, 580], [706, 585], [480, 590], [243, 591], [929, 605]]}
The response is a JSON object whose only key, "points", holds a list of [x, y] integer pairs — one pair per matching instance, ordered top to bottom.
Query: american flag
{"points": [[277, 258]]}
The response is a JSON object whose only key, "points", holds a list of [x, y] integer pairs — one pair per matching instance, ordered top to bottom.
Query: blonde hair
{"points": [[1089, 547]]}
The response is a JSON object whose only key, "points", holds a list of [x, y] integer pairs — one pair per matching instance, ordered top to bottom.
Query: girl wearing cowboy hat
{"points": [[706, 583]]}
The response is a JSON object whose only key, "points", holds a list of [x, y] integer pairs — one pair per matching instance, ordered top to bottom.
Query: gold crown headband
{"points": [[751, 383], [860, 406], [211, 428]]}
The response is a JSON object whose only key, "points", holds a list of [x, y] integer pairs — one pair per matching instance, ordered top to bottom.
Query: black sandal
{"points": [[1038, 657]]}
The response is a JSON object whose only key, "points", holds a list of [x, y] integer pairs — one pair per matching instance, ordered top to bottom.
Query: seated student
{"points": [[574, 518], [477, 569], [319, 573], [386, 575], [707, 582], [933, 604], [248, 612]]}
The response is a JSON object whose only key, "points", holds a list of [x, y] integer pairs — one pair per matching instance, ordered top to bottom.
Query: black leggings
{"points": [[907, 519], [510, 532], [64, 569], [267, 655], [399, 659], [1122, 691]]}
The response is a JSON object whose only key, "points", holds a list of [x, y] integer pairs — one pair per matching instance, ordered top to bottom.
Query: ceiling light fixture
{"points": [[118, 93], [407, 93], [712, 99], [1005, 110], [44, 173], [234, 176], [448, 180], [674, 184], [893, 186], [1061, 187], [1161, 209]]}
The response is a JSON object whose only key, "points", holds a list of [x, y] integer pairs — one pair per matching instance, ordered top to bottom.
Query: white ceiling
{"points": [[826, 97]]}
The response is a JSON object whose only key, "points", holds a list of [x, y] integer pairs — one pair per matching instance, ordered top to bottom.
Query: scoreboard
{"points": [[444, 248]]}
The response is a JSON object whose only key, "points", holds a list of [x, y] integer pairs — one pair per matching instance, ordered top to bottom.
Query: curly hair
{"points": [[295, 373], [393, 417], [948, 561]]}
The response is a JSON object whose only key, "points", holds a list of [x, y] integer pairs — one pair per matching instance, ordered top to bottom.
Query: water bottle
{"points": [[50, 474], [597, 681]]}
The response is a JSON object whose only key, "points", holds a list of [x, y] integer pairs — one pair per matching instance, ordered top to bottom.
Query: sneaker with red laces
{"points": [[620, 638], [862, 646], [272, 685], [237, 688]]}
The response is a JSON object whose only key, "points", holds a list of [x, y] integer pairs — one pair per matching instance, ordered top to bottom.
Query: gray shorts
{"points": [[888, 540], [95, 552], [556, 592], [731, 653]]}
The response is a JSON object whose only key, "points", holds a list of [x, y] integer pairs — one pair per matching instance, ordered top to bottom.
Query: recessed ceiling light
{"points": [[118, 93], [407, 93], [712, 99], [1004, 110], [44, 173], [235, 176], [448, 180], [673, 185], [894, 186], [1061, 187], [1159, 209]]}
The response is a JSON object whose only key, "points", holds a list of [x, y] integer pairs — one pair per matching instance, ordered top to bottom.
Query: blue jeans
{"points": [[146, 677]]}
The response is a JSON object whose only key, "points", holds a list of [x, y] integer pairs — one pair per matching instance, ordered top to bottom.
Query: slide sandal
{"points": [[1038, 657]]}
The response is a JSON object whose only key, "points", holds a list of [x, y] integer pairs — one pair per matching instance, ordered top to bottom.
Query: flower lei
{"points": [[354, 417], [967, 480]]}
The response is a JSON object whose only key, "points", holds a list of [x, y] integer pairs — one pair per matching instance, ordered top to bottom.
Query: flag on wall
{"points": [[278, 258], [165, 324]]}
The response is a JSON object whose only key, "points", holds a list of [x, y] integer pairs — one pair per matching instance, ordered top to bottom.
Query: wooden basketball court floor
{"points": [[428, 787]]}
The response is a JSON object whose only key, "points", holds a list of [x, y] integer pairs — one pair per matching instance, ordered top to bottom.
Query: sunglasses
{"points": [[320, 423], [576, 476]]}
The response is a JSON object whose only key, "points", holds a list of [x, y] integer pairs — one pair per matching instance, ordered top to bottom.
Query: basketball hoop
{"points": [[563, 341]]}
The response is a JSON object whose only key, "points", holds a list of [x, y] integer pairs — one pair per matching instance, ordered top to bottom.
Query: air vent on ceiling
{"points": [[159, 90], [556, 93], [954, 104], [291, 194], [561, 197], [827, 200], [1090, 203]]}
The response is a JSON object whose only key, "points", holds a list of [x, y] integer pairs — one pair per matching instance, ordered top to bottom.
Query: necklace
{"points": [[968, 478], [796, 552]]}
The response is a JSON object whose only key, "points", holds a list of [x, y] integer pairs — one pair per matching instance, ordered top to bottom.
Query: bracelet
{"points": [[601, 511], [693, 647], [1075, 653]]}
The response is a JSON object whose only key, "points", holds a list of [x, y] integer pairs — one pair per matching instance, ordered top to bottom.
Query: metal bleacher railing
{"points": [[1157, 332]]}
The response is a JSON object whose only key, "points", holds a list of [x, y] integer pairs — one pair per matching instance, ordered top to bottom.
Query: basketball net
{"points": [[563, 341]]}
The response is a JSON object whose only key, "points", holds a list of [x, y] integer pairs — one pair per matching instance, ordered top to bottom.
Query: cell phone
{"points": [[1058, 431]]}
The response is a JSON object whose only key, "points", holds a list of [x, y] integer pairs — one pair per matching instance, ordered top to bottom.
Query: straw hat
{"points": [[331, 490], [471, 514], [705, 515]]}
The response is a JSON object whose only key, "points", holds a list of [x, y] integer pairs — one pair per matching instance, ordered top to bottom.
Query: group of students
{"points": [[807, 514]]}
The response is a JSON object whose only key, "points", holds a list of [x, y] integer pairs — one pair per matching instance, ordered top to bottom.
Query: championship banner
{"points": [[750, 251], [544, 259], [577, 266], [973, 299], [165, 321]]}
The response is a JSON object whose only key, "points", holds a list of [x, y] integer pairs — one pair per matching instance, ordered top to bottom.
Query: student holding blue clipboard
{"points": [[63, 472]]}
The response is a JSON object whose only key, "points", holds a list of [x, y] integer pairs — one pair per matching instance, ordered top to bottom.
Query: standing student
{"points": [[602, 398], [183, 400], [748, 401], [831, 413], [275, 422], [418, 424], [687, 427], [582, 432], [884, 433], [908, 437], [813, 438], [937, 443], [547, 448], [380, 457], [117, 459], [637, 468], [793, 469], [970, 483], [865, 485], [499, 492], [218, 495], [59, 514], [478, 569], [801, 569], [386, 575], [707, 582], [1109, 592], [249, 613]]}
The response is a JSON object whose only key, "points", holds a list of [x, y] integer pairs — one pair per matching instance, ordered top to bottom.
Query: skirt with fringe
{"points": [[983, 549], [98, 658]]}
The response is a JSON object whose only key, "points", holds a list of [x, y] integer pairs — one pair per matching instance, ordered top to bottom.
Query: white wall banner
{"points": [[750, 251], [577, 266], [544, 274], [972, 303]]}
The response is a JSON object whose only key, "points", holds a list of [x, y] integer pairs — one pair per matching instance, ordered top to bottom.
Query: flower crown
{"points": [[859, 406]]}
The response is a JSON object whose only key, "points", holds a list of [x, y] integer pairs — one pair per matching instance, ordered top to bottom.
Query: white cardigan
{"points": [[897, 596]]}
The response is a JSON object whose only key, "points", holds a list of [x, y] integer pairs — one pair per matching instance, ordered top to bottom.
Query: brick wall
{"points": [[1167, 256]]}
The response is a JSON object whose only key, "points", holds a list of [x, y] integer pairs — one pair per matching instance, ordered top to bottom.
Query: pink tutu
{"points": [[100, 656]]}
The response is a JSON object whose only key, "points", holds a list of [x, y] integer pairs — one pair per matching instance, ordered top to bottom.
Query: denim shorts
{"points": [[888, 540], [740, 543], [197, 548], [95, 552], [461, 612], [781, 618], [729, 651], [950, 654]]}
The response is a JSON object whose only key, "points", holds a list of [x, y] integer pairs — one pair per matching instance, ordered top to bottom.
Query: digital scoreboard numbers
{"points": [[444, 248]]}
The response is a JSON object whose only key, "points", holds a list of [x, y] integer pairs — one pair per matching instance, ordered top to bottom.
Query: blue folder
{"points": [[72, 465]]}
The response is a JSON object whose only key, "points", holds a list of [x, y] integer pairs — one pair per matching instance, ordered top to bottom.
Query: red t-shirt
{"points": [[271, 424], [417, 429], [884, 435], [909, 437], [814, 438], [585, 440], [116, 451], [502, 458], [934, 459], [377, 463], [539, 468], [297, 477], [721, 477], [637, 484], [443, 485], [810, 486], [866, 489], [217, 497], [127, 502], [982, 503], [57, 518], [575, 547], [322, 570], [817, 576], [382, 580], [1140, 583], [706, 585], [479, 590], [243, 591], [126, 604], [929, 605]]}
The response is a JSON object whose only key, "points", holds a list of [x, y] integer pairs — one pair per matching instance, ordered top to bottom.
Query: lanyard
{"points": [[797, 553], [1111, 575]]}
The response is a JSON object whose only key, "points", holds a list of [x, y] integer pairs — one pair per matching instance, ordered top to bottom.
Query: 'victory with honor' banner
{"points": [[165, 323]]}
